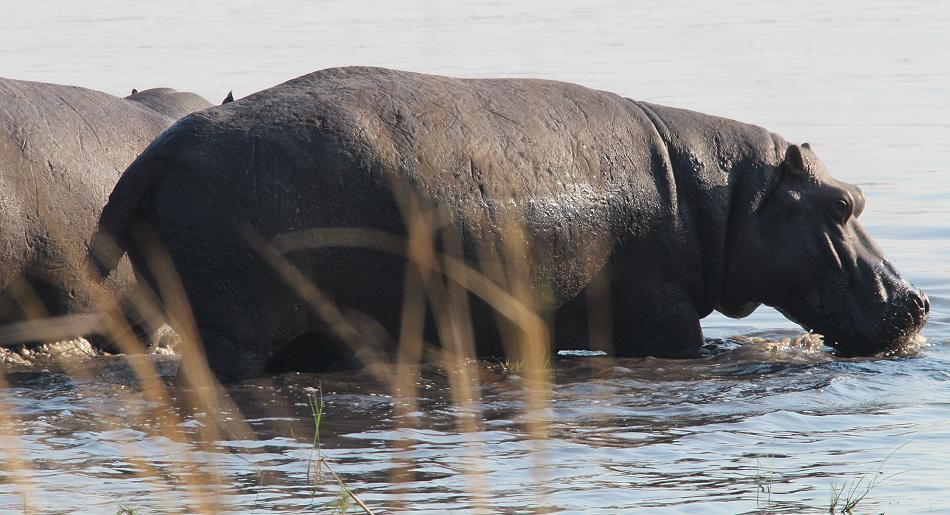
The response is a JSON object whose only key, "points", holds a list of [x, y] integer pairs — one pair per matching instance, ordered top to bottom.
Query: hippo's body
{"points": [[62, 149], [673, 207]]}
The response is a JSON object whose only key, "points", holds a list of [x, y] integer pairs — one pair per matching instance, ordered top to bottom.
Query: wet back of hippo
{"points": [[62, 148], [560, 185]]}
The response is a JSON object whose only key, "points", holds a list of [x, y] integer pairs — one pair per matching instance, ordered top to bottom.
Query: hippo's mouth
{"points": [[895, 331]]}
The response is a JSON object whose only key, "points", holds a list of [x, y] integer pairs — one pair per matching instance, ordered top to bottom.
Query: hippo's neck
{"points": [[719, 168]]}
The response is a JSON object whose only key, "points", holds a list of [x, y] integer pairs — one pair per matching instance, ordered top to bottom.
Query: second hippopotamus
{"points": [[62, 149]]}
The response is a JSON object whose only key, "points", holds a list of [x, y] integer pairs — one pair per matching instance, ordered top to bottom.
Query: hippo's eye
{"points": [[841, 210]]}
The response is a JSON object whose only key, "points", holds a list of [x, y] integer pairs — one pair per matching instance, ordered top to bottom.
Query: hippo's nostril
{"points": [[921, 302]]}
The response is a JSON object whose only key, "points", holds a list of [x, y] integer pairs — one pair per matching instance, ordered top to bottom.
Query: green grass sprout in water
{"points": [[346, 498], [845, 498]]}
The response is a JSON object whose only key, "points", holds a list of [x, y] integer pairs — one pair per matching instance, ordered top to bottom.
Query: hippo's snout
{"points": [[909, 310], [911, 317], [896, 328]]}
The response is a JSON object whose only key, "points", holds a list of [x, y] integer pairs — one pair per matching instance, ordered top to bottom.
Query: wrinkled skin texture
{"points": [[62, 149], [671, 213]]}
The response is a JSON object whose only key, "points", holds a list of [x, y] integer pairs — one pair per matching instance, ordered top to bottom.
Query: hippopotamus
{"points": [[62, 149], [677, 213]]}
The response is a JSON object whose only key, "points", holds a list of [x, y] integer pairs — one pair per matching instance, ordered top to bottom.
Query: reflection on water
{"points": [[748, 428]]}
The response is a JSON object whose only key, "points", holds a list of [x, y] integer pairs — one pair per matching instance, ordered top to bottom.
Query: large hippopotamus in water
{"points": [[62, 149], [683, 213]]}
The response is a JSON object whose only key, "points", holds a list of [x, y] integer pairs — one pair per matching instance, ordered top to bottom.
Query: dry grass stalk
{"points": [[440, 281]]}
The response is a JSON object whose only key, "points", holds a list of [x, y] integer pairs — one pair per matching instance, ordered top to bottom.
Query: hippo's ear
{"points": [[134, 91], [228, 99], [795, 161], [795, 164]]}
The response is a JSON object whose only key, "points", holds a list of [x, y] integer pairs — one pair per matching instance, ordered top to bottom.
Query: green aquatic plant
{"points": [[506, 366], [509, 366], [315, 401], [764, 478], [846, 497], [345, 499], [340, 504]]}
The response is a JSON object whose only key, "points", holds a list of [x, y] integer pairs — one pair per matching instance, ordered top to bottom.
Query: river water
{"points": [[750, 429]]}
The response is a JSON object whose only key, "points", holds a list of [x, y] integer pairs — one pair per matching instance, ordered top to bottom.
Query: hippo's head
{"points": [[167, 101], [801, 250]]}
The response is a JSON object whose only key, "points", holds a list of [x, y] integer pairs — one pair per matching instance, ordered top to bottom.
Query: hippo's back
{"points": [[65, 134], [471, 141], [337, 148], [555, 151]]}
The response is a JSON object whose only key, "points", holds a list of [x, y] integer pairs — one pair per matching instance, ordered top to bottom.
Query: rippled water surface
{"points": [[750, 428]]}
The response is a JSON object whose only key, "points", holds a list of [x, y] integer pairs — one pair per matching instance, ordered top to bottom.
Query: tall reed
{"points": [[439, 282]]}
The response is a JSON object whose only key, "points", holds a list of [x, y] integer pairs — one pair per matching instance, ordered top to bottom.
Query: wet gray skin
{"points": [[62, 149], [682, 213]]}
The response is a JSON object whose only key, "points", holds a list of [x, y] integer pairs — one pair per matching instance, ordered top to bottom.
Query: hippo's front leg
{"points": [[660, 322]]}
